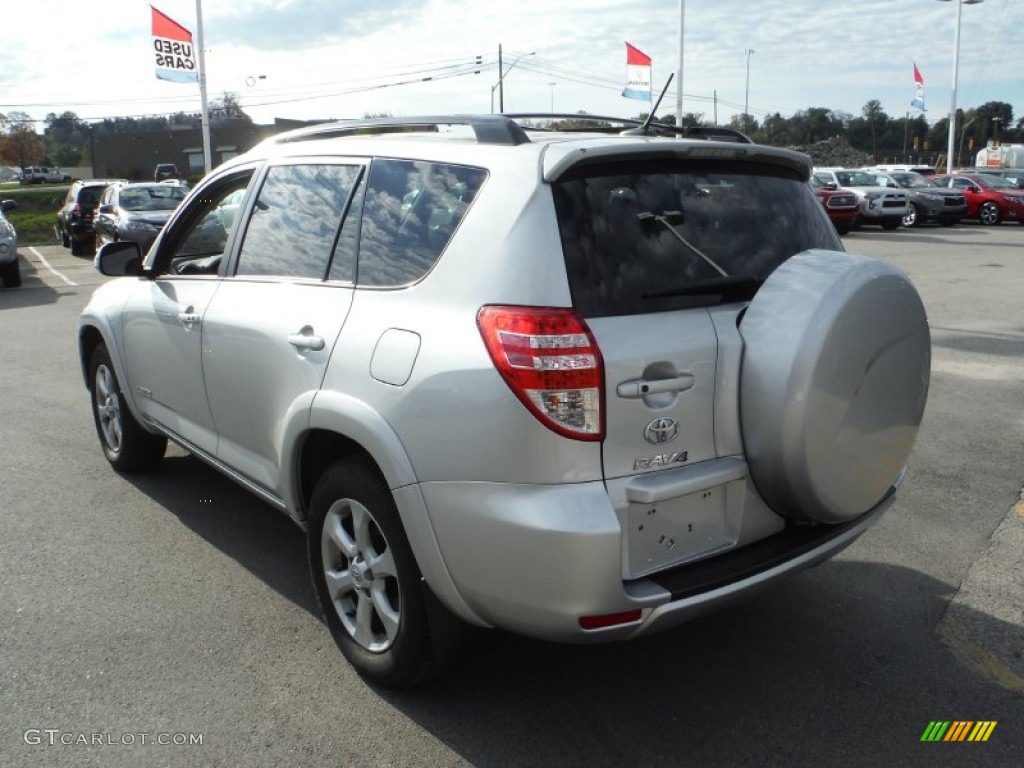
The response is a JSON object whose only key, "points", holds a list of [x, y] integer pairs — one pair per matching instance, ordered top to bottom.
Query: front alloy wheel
{"points": [[989, 213], [911, 219], [126, 444]]}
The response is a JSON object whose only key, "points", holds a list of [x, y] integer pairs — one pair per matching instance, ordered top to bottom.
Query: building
{"points": [[134, 155]]}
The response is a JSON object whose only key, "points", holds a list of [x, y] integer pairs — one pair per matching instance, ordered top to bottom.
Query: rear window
{"points": [[89, 195], [659, 236]]}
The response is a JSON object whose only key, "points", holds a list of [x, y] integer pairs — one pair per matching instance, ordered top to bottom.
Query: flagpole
{"points": [[679, 77], [207, 159]]}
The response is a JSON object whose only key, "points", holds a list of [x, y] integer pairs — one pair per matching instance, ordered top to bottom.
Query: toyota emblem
{"points": [[661, 431]]}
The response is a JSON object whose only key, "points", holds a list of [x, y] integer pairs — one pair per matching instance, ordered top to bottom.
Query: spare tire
{"points": [[835, 372]]}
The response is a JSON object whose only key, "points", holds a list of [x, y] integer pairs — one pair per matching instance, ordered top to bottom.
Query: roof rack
{"points": [[616, 124], [506, 128], [489, 129]]}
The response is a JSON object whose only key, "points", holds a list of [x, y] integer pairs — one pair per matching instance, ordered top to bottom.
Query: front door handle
{"points": [[189, 316], [636, 388]]}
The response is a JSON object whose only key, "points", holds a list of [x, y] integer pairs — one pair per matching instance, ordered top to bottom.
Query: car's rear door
{"points": [[662, 257], [270, 329]]}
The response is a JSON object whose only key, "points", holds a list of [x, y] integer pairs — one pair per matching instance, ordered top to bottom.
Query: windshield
{"points": [[855, 179], [913, 181], [993, 182], [156, 197], [655, 236]]}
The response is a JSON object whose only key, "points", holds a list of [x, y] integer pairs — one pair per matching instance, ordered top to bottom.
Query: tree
{"points": [[228, 107], [874, 115], [22, 146]]}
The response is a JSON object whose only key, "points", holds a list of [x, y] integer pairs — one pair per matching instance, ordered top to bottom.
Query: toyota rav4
{"points": [[580, 387]]}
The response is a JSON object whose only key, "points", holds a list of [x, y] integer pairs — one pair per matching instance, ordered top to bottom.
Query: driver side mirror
{"points": [[120, 259]]}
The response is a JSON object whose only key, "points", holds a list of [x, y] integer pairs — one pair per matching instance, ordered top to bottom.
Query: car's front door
{"points": [[163, 319], [271, 327]]}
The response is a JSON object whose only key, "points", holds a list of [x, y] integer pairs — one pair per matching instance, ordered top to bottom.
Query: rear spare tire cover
{"points": [[836, 363]]}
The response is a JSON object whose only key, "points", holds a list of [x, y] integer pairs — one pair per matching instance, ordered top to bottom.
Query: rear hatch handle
{"points": [[637, 388]]}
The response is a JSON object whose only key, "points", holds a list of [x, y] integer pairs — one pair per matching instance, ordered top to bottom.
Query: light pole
{"points": [[956, 67], [500, 85], [552, 85], [746, 99], [995, 126], [963, 132]]}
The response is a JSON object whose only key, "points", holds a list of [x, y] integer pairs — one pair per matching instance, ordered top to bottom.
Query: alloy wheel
{"points": [[360, 575]]}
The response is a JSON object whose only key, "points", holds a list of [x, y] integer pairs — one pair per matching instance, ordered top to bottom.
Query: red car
{"points": [[990, 199], [840, 205]]}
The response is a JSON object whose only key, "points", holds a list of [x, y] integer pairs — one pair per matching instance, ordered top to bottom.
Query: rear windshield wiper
{"points": [[669, 218], [730, 288]]}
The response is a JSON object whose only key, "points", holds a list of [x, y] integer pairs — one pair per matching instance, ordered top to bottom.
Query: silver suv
{"points": [[883, 206], [576, 386]]}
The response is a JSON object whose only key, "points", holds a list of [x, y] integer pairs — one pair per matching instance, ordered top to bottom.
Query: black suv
{"points": [[165, 171], [74, 219]]}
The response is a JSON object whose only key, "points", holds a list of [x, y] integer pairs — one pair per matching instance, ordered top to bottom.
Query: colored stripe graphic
{"points": [[958, 730], [982, 730]]}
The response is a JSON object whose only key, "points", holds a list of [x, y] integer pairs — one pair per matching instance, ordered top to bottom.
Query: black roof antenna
{"points": [[645, 129]]}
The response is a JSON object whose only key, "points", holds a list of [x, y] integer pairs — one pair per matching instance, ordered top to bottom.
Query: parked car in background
{"points": [[166, 171], [37, 174], [1013, 175], [990, 199], [929, 202], [841, 205], [881, 206], [136, 212], [75, 217], [10, 273], [681, 387]]}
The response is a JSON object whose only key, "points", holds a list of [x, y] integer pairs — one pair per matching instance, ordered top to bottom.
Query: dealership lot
{"points": [[176, 603]]}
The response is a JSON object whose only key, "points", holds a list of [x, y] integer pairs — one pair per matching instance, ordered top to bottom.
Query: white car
{"points": [[883, 206], [9, 273]]}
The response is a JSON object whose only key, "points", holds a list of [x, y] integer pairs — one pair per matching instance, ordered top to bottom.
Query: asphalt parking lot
{"points": [[176, 608]]}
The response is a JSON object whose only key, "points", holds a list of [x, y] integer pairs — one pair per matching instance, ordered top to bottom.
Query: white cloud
{"points": [[808, 53]]}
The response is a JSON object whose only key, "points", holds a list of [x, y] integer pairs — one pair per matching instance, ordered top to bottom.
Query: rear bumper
{"points": [[535, 559]]}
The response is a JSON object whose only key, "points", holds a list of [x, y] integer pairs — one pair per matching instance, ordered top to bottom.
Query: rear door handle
{"points": [[305, 339], [635, 388]]}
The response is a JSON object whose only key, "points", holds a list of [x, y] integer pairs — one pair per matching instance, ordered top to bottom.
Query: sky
{"points": [[315, 59]]}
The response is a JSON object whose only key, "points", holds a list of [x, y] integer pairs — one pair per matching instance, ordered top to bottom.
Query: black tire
{"points": [[990, 214], [913, 217], [892, 224], [843, 229], [65, 239], [76, 247], [10, 274], [127, 446], [375, 608]]}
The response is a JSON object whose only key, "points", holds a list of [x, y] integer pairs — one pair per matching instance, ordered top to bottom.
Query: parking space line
{"points": [[49, 267]]}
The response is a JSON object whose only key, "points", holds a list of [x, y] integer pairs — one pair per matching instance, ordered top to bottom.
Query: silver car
{"points": [[879, 205], [10, 273], [581, 387]]}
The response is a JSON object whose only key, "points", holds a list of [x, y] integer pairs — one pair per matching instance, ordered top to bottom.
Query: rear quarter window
{"points": [[410, 212], [632, 233]]}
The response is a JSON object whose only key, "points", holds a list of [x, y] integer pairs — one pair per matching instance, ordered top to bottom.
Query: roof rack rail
{"points": [[615, 125], [489, 129]]}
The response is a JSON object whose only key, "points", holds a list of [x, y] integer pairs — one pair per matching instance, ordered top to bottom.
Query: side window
{"points": [[410, 212], [296, 219], [198, 245]]}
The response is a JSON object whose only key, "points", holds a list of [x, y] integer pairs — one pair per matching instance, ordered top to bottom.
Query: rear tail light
{"points": [[550, 360]]}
